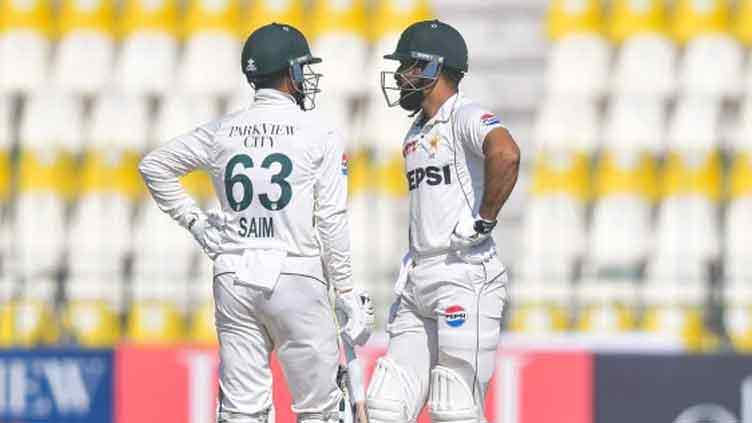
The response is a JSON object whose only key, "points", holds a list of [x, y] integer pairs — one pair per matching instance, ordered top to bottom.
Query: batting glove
{"points": [[468, 233], [206, 234], [356, 309]]}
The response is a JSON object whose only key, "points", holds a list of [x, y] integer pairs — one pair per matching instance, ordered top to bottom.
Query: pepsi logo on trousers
{"points": [[455, 316]]}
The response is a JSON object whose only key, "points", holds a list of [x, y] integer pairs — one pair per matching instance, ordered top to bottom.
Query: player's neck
{"points": [[433, 102]]}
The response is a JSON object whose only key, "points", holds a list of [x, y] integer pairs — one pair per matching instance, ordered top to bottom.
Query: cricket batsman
{"points": [[461, 166], [280, 238]]}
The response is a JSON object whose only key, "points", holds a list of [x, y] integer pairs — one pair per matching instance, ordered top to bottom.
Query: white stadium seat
{"points": [[25, 45], [579, 66], [645, 67], [723, 78], [567, 124], [635, 124], [694, 124], [687, 230], [620, 232], [738, 238]]}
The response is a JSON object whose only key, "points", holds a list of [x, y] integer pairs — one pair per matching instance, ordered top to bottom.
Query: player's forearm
{"points": [[501, 169], [164, 186], [334, 233]]}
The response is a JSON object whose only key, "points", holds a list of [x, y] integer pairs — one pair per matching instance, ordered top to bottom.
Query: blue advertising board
{"points": [[56, 385]]}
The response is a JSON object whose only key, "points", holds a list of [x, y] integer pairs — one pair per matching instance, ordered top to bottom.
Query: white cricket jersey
{"points": [[444, 162], [275, 168]]}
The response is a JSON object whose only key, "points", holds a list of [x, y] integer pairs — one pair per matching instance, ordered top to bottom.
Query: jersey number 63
{"points": [[240, 178]]}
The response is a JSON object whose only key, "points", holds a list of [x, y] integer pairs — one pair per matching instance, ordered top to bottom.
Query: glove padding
{"points": [[207, 230], [464, 236], [356, 309]]}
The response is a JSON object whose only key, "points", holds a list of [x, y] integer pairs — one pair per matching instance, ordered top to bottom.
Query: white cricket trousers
{"points": [[449, 315], [296, 320]]}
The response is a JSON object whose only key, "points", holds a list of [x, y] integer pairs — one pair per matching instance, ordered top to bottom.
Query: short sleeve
{"points": [[475, 124]]}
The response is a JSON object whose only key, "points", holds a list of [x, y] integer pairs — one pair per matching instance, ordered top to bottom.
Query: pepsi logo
{"points": [[455, 316]]}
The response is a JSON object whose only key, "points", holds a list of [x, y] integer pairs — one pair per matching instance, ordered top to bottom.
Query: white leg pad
{"points": [[389, 394], [451, 399]]}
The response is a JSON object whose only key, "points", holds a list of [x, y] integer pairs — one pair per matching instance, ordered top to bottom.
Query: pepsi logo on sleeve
{"points": [[455, 316]]}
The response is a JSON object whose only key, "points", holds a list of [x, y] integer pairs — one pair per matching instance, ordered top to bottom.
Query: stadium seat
{"points": [[261, 12], [565, 18], [629, 18], [692, 18], [743, 22], [338, 29], [25, 45], [84, 55], [571, 58], [147, 62], [209, 64], [645, 67], [724, 78], [567, 124], [635, 125], [694, 125], [741, 137], [6, 145], [560, 172], [692, 174], [45, 180], [687, 230], [620, 235], [738, 236], [553, 237], [162, 264], [7, 295], [674, 304], [606, 306], [540, 308], [91, 312], [737, 314], [34, 322], [202, 328]]}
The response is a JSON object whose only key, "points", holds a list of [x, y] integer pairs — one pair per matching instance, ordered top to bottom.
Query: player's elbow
{"points": [[511, 154]]}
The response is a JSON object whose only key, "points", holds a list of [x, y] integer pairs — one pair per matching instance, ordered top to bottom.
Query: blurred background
{"points": [[632, 214]]}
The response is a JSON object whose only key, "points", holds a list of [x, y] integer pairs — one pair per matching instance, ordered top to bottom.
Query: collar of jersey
{"points": [[272, 96], [444, 113]]}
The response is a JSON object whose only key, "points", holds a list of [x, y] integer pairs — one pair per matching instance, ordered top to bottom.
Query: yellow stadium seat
{"points": [[262, 12], [96, 15], [148, 15], [208, 15], [329, 16], [393, 16], [566, 17], [630, 17], [696, 17], [743, 21], [25, 31], [42, 171], [110, 172], [359, 172], [561, 172], [5, 173], [626, 173], [692, 173], [389, 176], [740, 176], [198, 184], [7, 288], [607, 306], [540, 309], [675, 310], [738, 315], [32, 318], [155, 322], [92, 323], [202, 329]]}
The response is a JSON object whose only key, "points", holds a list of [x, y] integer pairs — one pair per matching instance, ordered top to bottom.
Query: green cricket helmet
{"points": [[431, 46], [276, 48]]}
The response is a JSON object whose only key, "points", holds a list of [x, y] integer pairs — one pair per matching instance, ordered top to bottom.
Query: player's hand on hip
{"points": [[206, 230], [469, 232], [357, 308]]}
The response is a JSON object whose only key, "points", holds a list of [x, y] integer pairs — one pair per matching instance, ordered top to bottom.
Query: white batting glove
{"points": [[469, 232], [205, 233], [359, 317]]}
